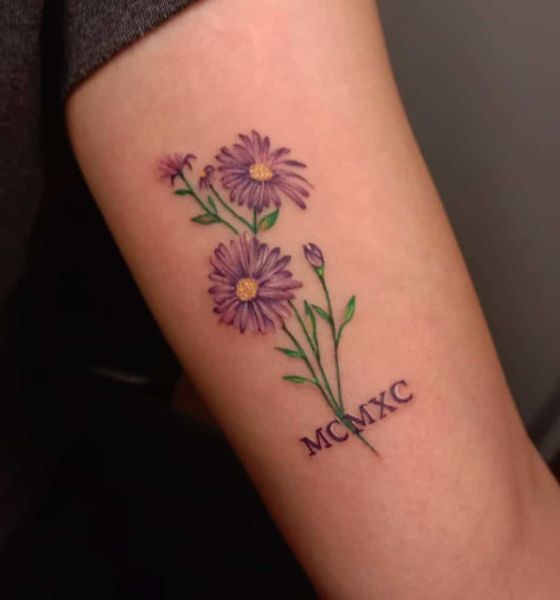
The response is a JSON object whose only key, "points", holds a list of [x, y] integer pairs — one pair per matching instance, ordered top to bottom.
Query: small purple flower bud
{"points": [[206, 177], [314, 257]]}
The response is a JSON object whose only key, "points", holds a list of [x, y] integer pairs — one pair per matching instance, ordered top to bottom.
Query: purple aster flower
{"points": [[173, 164], [257, 176], [206, 177], [252, 286]]}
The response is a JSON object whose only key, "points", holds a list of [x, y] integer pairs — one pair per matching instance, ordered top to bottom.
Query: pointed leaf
{"points": [[182, 192], [212, 204], [206, 219], [268, 221], [308, 310], [349, 310], [323, 314], [348, 315], [291, 353], [295, 378]]}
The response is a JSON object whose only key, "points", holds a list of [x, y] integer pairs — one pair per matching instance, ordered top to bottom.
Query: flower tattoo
{"points": [[172, 166], [257, 176], [252, 286], [252, 289]]}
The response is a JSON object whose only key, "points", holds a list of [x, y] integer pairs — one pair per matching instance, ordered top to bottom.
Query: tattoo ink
{"points": [[252, 288], [368, 414]]}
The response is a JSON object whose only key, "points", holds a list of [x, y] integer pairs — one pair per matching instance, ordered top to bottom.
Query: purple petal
{"points": [[248, 145], [257, 145], [265, 150], [242, 154], [277, 154], [293, 163], [283, 174], [293, 195], [275, 196], [268, 263], [222, 294], [228, 312], [269, 313], [242, 317], [253, 322], [263, 322]]}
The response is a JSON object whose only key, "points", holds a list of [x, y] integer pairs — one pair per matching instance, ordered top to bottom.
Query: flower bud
{"points": [[314, 257]]}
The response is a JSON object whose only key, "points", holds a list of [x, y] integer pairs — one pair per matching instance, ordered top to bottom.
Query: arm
{"points": [[432, 489]]}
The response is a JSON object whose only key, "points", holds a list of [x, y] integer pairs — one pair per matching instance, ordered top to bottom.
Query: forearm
{"points": [[442, 507]]}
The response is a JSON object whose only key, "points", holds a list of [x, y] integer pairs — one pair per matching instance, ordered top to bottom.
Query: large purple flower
{"points": [[257, 176], [252, 286]]}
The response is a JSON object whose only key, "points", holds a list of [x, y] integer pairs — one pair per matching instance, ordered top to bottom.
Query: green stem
{"points": [[191, 191], [197, 198], [254, 220], [228, 225], [251, 227], [335, 340], [315, 352], [308, 363], [329, 398], [338, 412], [352, 429]]}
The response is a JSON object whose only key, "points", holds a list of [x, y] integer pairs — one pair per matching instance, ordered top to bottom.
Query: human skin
{"points": [[456, 503]]}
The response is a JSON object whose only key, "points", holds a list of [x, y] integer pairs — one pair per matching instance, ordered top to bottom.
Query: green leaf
{"points": [[182, 192], [212, 204], [206, 219], [268, 221], [308, 310], [349, 310], [323, 314], [348, 314], [291, 353], [296, 379]]}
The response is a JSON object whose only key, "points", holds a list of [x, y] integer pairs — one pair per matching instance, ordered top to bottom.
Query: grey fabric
{"points": [[95, 30]]}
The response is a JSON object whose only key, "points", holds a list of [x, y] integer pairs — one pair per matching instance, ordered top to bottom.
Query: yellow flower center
{"points": [[260, 172], [202, 173], [246, 289]]}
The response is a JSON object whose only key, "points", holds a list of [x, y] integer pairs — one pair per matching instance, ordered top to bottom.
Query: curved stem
{"points": [[252, 228], [315, 352]]}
